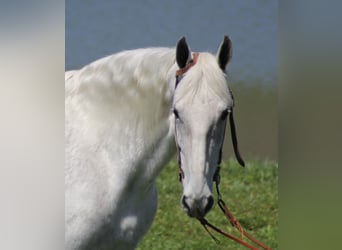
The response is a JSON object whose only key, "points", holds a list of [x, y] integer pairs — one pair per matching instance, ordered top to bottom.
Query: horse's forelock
{"points": [[205, 74]]}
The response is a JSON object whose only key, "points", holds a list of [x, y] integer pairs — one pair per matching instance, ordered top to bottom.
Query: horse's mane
{"points": [[128, 90]]}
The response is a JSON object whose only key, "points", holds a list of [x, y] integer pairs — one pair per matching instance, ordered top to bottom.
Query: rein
{"points": [[224, 208], [234, 222]]}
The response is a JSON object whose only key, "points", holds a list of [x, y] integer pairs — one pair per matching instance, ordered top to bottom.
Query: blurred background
{"points": [[94, 30]]}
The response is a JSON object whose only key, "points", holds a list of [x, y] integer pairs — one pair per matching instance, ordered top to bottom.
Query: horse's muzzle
{"points": [[197, 207]]}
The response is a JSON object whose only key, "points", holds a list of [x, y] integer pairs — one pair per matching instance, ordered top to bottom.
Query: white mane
{"points": [[130, 83]]}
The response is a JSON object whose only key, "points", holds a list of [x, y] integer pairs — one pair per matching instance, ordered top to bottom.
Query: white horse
{"points": [[124, 114]]}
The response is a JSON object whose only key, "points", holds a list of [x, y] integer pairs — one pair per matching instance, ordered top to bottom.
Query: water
{"points": [[98, 28]]}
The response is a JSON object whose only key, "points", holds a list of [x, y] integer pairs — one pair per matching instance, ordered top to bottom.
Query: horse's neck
{"points": [[125, 100]]}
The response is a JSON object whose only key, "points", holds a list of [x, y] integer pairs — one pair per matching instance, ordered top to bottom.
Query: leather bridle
{"points": [[234, 222]]}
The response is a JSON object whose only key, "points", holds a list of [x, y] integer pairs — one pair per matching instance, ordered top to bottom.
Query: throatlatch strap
{"points": [[234, 139]]}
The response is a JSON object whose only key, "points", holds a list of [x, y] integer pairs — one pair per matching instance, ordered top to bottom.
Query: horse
{"points": [[126, 115]]}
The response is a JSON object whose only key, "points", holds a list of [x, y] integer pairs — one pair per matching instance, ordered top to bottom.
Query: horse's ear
{"points": [[182, 53], [224, 53]]}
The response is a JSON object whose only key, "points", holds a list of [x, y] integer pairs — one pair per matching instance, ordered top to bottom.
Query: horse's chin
{"points": [[194, 214]]}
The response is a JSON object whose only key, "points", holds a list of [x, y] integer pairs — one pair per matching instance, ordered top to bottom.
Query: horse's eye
{"points": [[175, 112], [224, 115]]}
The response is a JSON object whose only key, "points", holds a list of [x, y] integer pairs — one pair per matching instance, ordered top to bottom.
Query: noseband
{"points": [[234, 222]]}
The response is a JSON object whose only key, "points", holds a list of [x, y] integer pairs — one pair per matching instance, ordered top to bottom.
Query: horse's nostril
{"points": [[210, 203], [185, 205]]}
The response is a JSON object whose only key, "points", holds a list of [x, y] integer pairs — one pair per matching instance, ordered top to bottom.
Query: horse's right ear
{"points": [[182, 53], [224, 53]]}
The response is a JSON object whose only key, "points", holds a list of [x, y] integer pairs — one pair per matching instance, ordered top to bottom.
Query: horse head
{"points": [[201, 105]]}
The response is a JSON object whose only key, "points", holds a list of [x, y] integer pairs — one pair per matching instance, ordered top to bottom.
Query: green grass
{"points": [[251, 194]]}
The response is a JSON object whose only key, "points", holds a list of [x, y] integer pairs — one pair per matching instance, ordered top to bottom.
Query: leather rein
{"points": [[224, 208]]}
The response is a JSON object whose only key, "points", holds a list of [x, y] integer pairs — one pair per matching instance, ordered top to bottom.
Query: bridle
{"points": [[234, 222]]}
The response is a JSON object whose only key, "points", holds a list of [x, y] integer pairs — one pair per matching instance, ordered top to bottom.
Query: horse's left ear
{"points": [[182, 53], [224, 53]]}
